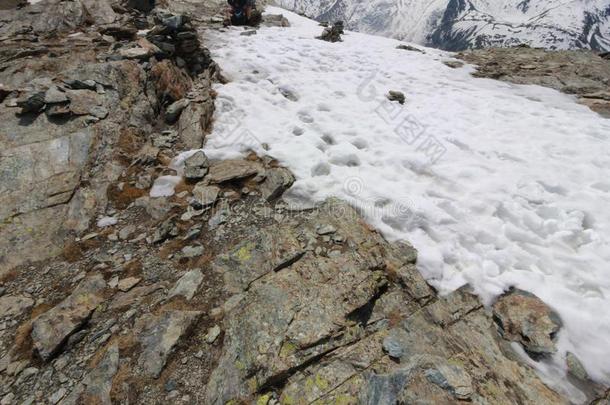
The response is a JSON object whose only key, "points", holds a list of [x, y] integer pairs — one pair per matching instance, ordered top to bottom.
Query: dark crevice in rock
{"points": [[289, 262], [278, 268], [363, 314], [65, 341], [277, 382], [342, 383]]}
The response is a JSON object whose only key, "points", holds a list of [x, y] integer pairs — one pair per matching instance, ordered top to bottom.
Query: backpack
{"points": [[239, 17]]}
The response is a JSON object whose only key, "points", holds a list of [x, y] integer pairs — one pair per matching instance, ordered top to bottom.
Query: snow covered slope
{"points": [[461, 24], [496, 185]]}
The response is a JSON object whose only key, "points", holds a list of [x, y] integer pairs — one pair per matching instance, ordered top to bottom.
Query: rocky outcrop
{"points": [[49, 17], [586, 75], [76, 107], [56, 164], [324, 317]]}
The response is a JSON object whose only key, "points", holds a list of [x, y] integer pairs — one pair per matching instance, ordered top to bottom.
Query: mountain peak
{"points": [[462, 24]]}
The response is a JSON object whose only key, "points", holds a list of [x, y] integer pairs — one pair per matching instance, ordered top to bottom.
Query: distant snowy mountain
{"points": [[461, 24]]}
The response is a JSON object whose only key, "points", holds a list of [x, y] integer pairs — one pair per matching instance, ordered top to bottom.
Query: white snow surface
{"points": [[497, 185], [105, 222]]}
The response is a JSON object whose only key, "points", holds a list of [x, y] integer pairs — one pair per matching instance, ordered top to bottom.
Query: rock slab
{"points": [[51, 329], [158, 336]]}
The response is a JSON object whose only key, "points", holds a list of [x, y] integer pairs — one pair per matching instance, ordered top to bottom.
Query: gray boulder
{"points": [[175, 109], [194, 121], [196, 166], [232, 170], [277, 181], [205, 196], [187, 285], [524, 318], [51, 329], [158, 336]]}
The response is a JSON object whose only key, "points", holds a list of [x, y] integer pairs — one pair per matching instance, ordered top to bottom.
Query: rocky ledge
{"points": [[584, 74], [221, 293]]}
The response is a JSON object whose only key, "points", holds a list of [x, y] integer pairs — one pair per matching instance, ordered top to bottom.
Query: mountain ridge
{"points": [[457, 25]]}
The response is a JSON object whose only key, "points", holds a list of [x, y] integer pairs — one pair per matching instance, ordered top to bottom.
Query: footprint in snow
{"points": [[324, 107], [306, 118], [328, 139]]}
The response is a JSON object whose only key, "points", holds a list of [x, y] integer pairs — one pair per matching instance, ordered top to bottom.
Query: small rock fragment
{"points": [[173, 21], [120, 31], [333, 34], [409, 48], [454, 64], [76, 84], [55, 96], [396, 96], [86, 102], [31, 103], [175, 109], [58, 110], [164, 140], [196, 166], [231, 170], [205, 196], [220, 217], [106, 221], [326, 230], [164, 231], [126, 232], [192, 251], [114, 282], [128, 283], [187, 285], [212, 334], [393, 347], [4, 362], [16, 367], [575, 367], [451, 378], [95, 387], [57, 396], [7, 399]]}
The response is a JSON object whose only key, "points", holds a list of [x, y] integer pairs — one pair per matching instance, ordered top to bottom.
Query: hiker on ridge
{"points": [[241, 11]]}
